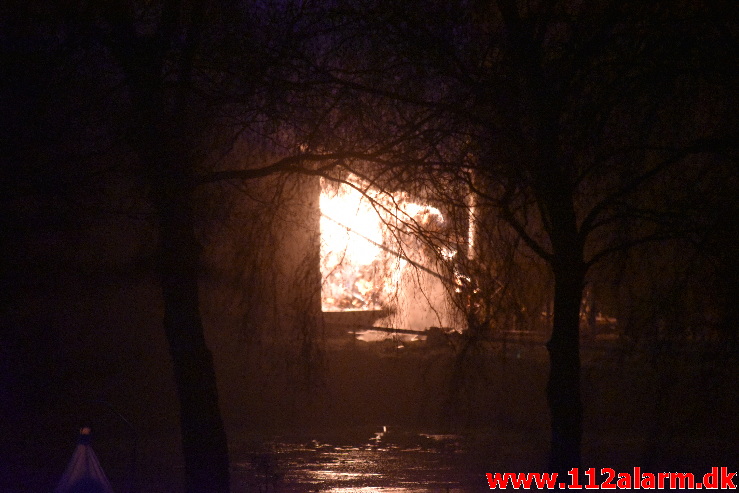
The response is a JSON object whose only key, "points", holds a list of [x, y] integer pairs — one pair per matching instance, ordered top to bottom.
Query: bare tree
{"points": [[172, 86], [564, 120]]}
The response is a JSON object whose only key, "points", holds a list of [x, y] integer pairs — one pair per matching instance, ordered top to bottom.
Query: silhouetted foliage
{"points": [[565, 121], [564, 132]]}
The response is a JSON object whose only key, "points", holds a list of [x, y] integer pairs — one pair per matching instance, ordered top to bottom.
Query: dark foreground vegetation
{"points": [[161, 167]]}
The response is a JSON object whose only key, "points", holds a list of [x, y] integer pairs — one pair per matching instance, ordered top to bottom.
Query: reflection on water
{"points": [[386, 461]]}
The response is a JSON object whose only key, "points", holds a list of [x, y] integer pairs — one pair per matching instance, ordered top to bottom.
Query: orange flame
{"points": [[363, 253]]}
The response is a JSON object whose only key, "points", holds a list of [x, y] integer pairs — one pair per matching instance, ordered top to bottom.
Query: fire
{"points": [[351, 229], [368, 248], [356, 269]]}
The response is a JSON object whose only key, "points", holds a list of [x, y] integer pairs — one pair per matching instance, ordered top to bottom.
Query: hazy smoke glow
{"points": [[373, 259], [357, 272]]}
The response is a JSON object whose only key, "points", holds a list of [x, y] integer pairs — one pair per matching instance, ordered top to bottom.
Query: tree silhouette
{"points": [[158, 92], [565, 122], [567, 129]]}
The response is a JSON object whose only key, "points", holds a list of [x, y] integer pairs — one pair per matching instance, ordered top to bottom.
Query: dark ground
{"points": [[672, 411]]}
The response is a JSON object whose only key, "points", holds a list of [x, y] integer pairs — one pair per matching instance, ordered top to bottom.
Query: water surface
{"points": [[386, 460]]}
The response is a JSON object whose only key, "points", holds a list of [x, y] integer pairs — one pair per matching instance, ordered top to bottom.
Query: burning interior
{"points": [[383, 257], [390, 260]]}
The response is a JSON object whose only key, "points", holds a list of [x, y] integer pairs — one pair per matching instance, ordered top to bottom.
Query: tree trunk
{"points": [[568, 267], [563, 387], [204, 442]]}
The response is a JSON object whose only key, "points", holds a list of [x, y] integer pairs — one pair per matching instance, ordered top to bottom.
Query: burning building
{"points": [[383, 258]]}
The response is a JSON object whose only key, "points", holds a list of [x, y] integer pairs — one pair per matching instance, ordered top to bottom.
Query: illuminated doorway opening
{"points": [[375, 258]]}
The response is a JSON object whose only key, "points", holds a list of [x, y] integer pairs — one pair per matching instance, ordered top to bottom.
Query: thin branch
{"points": [[711, 145], [295, 164], [627, 245]]}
